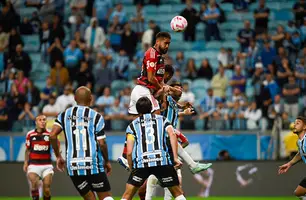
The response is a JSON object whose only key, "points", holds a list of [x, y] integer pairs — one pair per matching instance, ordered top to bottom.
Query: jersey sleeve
{"points": [[151, 60], [58, 120], [166, 123], [99, 126], [129, 132], [28, 142]]}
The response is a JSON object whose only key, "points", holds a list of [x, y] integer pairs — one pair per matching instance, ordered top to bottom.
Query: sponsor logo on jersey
{"points": [[161, 71], [46, 138], [38, 147], [152, 160], [81, 167]]}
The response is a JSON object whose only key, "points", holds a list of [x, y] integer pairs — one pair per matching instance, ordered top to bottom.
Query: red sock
{"points": [[35, 194], [47, 198]]}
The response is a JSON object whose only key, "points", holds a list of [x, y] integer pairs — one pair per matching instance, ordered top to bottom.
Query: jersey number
{"points": [[80, 134], [150, 135]]}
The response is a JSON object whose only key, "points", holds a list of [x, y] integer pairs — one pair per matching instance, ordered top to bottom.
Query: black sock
{"points": [[35, 194]]}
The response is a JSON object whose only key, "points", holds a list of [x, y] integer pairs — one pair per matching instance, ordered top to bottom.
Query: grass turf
{"points": [[188, 198]]}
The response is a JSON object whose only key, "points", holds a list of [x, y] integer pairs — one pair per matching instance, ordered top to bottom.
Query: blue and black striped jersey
{"points": [[171, 113], [83, 127], [150, 148]]}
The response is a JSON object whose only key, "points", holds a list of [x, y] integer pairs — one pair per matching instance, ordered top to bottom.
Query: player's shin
{"points": [[186, 157], [151, 186], [167, 195], [181, 197]]}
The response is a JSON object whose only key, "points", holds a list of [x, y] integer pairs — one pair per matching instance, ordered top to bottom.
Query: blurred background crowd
{"points": [[241, 62]]}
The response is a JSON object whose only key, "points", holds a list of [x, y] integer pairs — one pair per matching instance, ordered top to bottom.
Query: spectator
{"points": [[240, 5], [78, 7], [102, 9], [299, 11], [118, 12], [190, 14], [261, 15], [211, 16], [8, 18], [138, 20], [35, 22], [78, 26], [26, 27], [291, 27], [156, 29], [57, 30], [303, 30], [115, 32], [44, 35], [94, 35], [245, 35], [279, 37], [147, 38], [4, 40], [14, 40], [129, 41], [80, 42], [294, 45], [56, 52], [107, 53], [302, 53], [267, 54], [72, 56], [252, 56], [223, 57], [90, 58], [138, 59], [230, 59], [22, 60], [180, 60], [241, 60], [122, 66], [191, 70], [205, 70], [283, 72], [300, 74], [103, 75], [59, 76], [85, 76], [8, 79], [257, 79], [238, 80], [21, 82], [219, 83], [271, 85], [47, 91], [291, 93], [33, 94], [187, 95], [125, 97], [237, 97], [66, 99], [105, 101], [15, 104], [207, 107], [276, 109], [51, 110], [117, 113], [3, 115], [27, 116], [220, 116], [236, 116], [253, 116], [224, 156]]}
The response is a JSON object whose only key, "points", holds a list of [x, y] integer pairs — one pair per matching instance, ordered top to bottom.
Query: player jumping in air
{"points": [[300, 130], [86, 148], [148, 154], [37, 162]]}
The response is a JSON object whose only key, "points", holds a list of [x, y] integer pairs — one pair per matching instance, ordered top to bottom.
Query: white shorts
{"points": [[138, 92], [41, 170]]}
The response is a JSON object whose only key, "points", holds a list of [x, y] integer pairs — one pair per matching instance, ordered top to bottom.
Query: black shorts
{"points": [[166, 175], [95, 182], [303, 183]]}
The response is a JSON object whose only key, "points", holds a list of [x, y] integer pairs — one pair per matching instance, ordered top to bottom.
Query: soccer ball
{"points": [[178, 24]]}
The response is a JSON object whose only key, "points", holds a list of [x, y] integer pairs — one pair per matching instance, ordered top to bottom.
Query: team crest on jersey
{"points": [[152, 64], [46, 138]]}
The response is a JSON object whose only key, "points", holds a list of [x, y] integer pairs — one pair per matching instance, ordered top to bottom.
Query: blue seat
{"points": [[227, 7], [164, 8], [177, 8], [129, 9], [150, 9], [27, 12], [284, 15], [232, 26], [200, 27], [229, 35], [176, 37], [31, 42], [231, 44], [198, 45], [213, 45], [208, 54], [35, 57], [214, 63], [229, 74], [200, 83], [250, 91], [199, 93]]}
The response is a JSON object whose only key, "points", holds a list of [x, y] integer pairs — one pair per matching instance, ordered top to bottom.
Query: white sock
{"points": [[186, 157], [151, 186], [167, 195], [181, 197], [108, 198]]}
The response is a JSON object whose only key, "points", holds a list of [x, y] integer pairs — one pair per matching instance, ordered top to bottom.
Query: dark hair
{"points": [[163, 35], [169, 69], [176, 83], [144, 105], [302, 119]]}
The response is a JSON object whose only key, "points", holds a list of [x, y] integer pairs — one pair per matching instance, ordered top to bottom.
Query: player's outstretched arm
{"points": [[174, 145], [103, 147], [284, 168]]}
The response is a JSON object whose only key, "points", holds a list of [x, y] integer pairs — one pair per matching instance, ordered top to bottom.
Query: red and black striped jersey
{"points": [[152, 61], [39, 146]]}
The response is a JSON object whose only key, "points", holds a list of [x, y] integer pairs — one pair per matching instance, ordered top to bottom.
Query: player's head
{"points": [[163, 40], [169, 71], [177, 85], [83, 96], [144, 105], [41, 121], [299, 125]]}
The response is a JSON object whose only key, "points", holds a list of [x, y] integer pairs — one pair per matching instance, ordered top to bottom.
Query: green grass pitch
{"points": [[188, 198]]}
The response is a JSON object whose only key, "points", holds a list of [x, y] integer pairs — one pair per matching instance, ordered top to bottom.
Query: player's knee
{"points": [[34, 184], [142, 192], [299, 193]]}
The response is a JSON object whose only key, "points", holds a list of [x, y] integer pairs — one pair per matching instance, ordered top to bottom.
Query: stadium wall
{"points": [[226, 178]]}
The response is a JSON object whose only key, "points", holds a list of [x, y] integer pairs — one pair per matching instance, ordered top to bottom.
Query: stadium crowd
{"points": [[105, 45]]}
